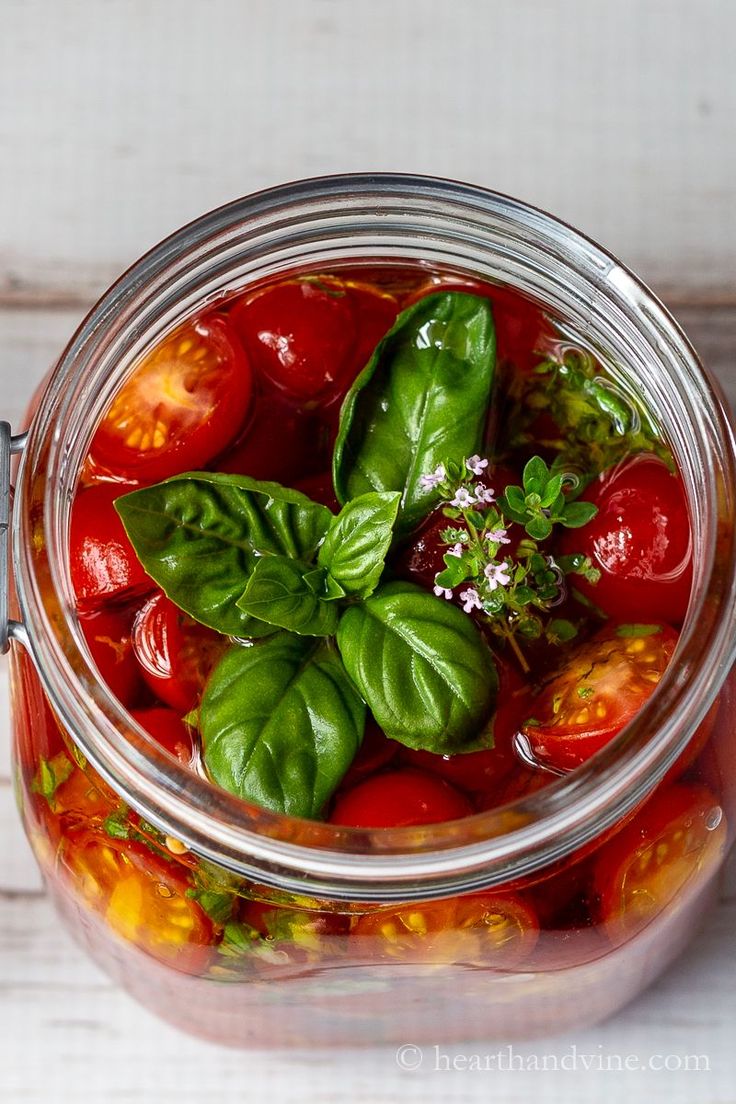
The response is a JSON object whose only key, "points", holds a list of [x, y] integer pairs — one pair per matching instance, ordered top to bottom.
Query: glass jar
{"points": [[252, 928]]}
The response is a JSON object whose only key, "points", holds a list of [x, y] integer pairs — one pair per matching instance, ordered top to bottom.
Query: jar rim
{"points": [[325, 860]]}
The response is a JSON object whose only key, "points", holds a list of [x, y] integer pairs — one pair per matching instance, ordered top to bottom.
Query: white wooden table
{"points": [[121, 120]]}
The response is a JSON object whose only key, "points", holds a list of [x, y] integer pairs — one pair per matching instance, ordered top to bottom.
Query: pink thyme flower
{"points": [[476, 465], [430, 480], [484, 494], [463, 498], [498, 536], [456, 550], [497, 575], [443, 592], [470, 599]]}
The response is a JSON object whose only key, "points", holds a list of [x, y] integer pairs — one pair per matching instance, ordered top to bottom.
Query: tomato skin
{"points": [[310, 338], [183, 404], [278, 443], [320, 489], [640, 541], [104, 566], [109, 636], [175, 654], [601, 686], [169, 730], [376, 751], [399, 799], [679, 832], [489, 928]]}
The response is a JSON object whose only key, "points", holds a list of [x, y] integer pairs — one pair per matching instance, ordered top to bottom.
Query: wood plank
{"points": [[618, 117]]}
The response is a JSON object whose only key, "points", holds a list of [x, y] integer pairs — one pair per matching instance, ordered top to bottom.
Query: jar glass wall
{"points": [[221, 916]]}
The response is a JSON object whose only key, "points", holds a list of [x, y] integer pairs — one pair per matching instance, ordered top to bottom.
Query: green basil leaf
{"points": [[421, 399], [199, 535], [357, 542], [279, 591], [638, 630], [421, 665], [280, 723]]}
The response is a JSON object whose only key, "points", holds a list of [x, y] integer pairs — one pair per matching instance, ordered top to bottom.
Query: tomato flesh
{"points": [[183, 404], [640, 541], [104, 566], [109, 636], [175, 654], [599, 689], [399, 799], [679, 833], [487, 928]]}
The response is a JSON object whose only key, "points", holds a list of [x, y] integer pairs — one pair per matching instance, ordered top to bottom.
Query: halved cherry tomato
{"points": [[310, 337], [183, 404], [280, 443], [640, 541], [104, 565], [108, 634], [175, 653], [601, 686], [169, 730], [376, 751], [399, 799], [680, 834], [143, 898], [489, 928]]}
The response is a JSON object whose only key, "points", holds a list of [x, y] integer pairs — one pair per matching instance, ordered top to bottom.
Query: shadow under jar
{"points": [[252, 928]]}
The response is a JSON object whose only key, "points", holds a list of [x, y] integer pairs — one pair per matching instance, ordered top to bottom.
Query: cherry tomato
{"points": [[522, 330], [310, 338], [183, 404], [279, 443], [320, 489], [640, 541], [104, 565], [108, 634], [175, 653], [601, 686], [169, 730], [375, 752], [399, 799], [679, 834], [142, 896], [489, 928]]}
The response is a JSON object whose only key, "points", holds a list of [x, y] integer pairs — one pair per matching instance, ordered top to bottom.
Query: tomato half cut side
{"points": [[183, 404], [175, 654], [599, 689], [677, 837], [142, 897], [497, 930]]}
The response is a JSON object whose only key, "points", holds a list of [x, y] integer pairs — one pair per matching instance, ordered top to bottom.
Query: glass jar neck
{"points": [[329, 222]]}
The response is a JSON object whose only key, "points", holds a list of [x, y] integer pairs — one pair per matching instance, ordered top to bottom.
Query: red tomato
{"points": [[521, 327], [310, 338], [183, 404], [280, 443], [320, 489], [640, 541], [104, 565], [108, 634], [175, 653], [601, 686], [169, 730], [376, 751], [399, 799], [680, 833], [143, 897], [489, 928]]}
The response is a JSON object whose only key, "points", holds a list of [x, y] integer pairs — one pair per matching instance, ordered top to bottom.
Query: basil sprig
{"points": [[422, 397], [282, 718]]}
